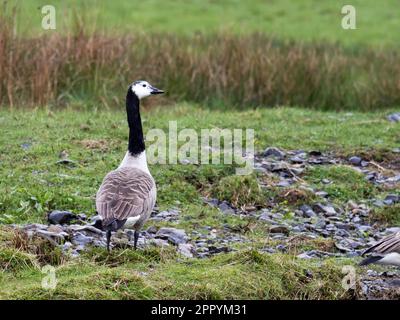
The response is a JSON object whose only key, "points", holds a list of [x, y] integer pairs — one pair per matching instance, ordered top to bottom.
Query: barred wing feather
{"points": [[125, 192], [387, 245]]}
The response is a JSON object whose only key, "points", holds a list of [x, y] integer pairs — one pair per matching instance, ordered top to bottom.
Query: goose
{"points": [[127, 194], [386, 251]]}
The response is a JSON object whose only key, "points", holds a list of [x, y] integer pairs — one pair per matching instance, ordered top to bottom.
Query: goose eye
{"points": [[144, 86]]}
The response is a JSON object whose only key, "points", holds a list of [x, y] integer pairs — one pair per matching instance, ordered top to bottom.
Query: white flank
{"points": [[130, 222], [391, 259]]}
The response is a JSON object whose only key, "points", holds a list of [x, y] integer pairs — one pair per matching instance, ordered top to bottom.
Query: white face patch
{"points": [[142, 89]]}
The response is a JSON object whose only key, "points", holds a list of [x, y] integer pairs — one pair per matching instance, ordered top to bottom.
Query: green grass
{"points": [[377, 22], [345, 183], [31, 184], [240, 191], [388, 215], [255, 276]]}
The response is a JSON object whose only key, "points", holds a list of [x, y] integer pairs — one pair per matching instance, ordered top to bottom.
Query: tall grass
{"points": [[228, 70]]}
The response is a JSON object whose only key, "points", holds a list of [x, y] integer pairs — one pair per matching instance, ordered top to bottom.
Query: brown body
{"points": [[126, 193]]}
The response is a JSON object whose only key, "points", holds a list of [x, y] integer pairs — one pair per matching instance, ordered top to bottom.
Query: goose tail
{"points": [[110, 225], [369, 260]]}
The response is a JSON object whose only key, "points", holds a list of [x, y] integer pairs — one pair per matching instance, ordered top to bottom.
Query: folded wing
{"points": [[125, 192], [389, 244]]}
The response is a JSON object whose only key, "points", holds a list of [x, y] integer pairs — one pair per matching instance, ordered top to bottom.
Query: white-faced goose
{"points": [[127, 195], [386, 251]]}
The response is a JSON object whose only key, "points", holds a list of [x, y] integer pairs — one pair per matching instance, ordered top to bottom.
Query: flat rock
{"points": [[394, 117], [273, 152], [355, 160], [391, 199], [212, 202], [226, 208], [326, 209], [307, 211], [167, 215], [60, 217], [175, 236], [81, 239], [186, 249]]}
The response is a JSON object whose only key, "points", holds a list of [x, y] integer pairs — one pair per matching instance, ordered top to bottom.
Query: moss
{"points": [[345, 182], [240, 191], [388, 215]]}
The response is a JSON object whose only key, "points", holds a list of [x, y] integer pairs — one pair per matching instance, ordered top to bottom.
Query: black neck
{"points": [[136, 141]]}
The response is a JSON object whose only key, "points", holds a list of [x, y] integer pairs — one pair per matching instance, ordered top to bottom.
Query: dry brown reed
{"points": [[94, 68]]}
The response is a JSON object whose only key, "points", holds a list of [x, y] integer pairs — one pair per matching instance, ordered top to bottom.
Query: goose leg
{"points": [[108, 237], [135, 237]]}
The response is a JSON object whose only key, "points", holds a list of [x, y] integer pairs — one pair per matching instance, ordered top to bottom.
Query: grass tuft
{"points": [[240, 191], [388, 215]]}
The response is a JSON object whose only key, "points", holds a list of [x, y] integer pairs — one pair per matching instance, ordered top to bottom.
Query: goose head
{"points": [[143, 89]]}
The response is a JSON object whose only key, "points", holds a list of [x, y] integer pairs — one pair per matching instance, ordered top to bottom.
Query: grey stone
{"points": [[394, 117], [26, 145], [273, 152], [297, 159], [355, 160], [364, 163], [394, 179], [284, 183], [322, 194], [391, 199], [212, 202], [378, 203], [226, 208], [326, 209], [307, 211], [167, 215], [277, 215], [60, 217], [344, 226], [330, 227], [89, 228], [298, 228], [364, 228], [392, 229], [152, 230], [342, 233], [176, 236], [54, 238], [81, 240], [160, 242], [66, 246], [281, 247], [186, 249], [304, 255]]}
